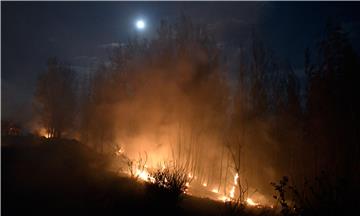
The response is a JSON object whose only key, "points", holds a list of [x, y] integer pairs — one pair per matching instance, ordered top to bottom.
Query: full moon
{"points": [[140, 24]]}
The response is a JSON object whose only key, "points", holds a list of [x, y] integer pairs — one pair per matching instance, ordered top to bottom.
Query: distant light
{"points": [[140, 24]]}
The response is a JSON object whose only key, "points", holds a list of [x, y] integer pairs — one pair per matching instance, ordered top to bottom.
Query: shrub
{"points": [[135, 166], [167, 185], [325, 195], [287, 208]]}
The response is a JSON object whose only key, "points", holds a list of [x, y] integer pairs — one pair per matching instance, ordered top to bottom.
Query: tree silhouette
{"points": [[55, 98], [332, 103]]}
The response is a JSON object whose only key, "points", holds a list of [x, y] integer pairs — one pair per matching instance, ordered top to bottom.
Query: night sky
{"points": [[82, 33]]}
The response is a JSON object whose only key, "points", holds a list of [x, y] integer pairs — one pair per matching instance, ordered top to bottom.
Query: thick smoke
{"points": [[170, 100]]}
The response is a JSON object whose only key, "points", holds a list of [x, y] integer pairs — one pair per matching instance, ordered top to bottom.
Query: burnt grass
{"points": [[65, 177]]}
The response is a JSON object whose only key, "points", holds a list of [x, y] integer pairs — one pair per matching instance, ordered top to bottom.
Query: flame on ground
{"points": [[43, 132], [120, 151], [144, 175], [236, 177], [215, 190], [232, 192], [224, 199], [250, 202]]}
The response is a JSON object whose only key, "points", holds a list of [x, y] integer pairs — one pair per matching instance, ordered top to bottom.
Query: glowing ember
{"points": [[42, 132], [120, 151], [144, 175], [236, 177], [215, 190], [232, 192], [224, 198], [251, 202]]}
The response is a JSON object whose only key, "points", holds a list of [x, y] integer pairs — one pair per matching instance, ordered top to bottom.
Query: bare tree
{"points": [[55, 98], [235, 146]]}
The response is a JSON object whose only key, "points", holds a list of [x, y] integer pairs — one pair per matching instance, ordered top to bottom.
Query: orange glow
{"points": [[42, 132], [120, 151], [144, 175], [236, 177], [215, 190], [232, 192], [224, 198], [251, 202]]}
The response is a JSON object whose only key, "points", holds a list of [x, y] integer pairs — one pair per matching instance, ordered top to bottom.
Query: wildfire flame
{"points": [[42, 132], [120, 151], [144, 175], [236, 177], [215, 190], [232, 192], [224, 199], [250, 202]]}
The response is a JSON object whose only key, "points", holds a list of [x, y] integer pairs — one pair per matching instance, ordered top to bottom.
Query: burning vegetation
{"points": [[167, 108]]}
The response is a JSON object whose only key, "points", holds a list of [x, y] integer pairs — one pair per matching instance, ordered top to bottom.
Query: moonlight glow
{"points": [[140, 24]]}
